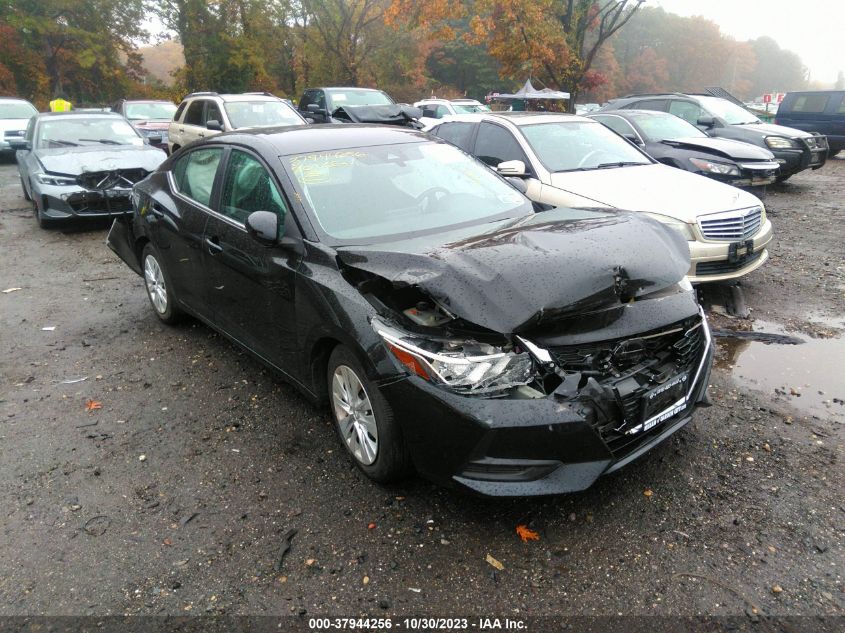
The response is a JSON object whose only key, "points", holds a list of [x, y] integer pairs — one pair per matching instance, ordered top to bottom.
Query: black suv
{"points": [[319, 104], [795, 150]]}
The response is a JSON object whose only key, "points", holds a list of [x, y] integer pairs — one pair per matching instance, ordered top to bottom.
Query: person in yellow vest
{"points": [[60, 104]]}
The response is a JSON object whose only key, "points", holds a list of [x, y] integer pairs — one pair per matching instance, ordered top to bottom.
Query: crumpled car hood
{"points": [[74, 161], [527, 271]]}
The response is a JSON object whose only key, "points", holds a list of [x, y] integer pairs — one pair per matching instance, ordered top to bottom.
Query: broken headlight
{"points": [[715, 167], [56, 181], [464, 366]]}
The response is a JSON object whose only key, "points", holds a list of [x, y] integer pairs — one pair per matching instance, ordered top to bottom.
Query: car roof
{"points": [[346, 88], [13, 99], [147, 101], [632, 112], [72, 114], [519, 118], [297, 139]]}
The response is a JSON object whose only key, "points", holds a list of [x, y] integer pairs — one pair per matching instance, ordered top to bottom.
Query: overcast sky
{"points": [[815, 29]]}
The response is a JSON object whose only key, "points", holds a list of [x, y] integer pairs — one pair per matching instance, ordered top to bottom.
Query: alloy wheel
{"points": [[156, 287], [354, 415]]}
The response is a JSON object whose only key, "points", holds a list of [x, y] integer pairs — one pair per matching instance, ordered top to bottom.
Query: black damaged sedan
{"points": [[451, 330]]}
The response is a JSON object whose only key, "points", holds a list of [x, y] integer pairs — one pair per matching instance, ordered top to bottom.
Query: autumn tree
{"points": [[553, 41], [80, 42]]}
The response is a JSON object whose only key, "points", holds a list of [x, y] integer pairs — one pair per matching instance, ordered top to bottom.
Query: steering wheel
{"points": [[595, 152], [429, 195]]}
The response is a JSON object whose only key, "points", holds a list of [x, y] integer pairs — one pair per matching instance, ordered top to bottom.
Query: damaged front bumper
{"points": [[63, 203], [596, 421]]}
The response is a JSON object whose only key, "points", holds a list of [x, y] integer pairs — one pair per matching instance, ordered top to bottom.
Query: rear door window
{"points": [[649, 104], [811, 104], [841, 108], [687, 110], [194, 114], [496, 145], [194, 173]]}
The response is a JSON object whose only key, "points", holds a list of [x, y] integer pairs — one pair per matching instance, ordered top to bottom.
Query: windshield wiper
{"points": [[104, 141], [67, 143], [621, 163]]}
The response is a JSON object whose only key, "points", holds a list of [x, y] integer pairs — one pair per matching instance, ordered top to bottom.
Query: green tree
{"points": [[80, 42]]}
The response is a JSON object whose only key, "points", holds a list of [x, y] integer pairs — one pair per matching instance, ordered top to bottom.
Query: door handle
{"points": [[201, 135], [156, 210], [213, 244]]}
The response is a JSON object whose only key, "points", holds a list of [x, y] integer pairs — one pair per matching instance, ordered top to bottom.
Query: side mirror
{"points": [[316, 112], [309, 120], [706, 122], [214, 124], [154, 139], [636, 140], [18, 143], [515, 168], [517, 183], [263, 227]]}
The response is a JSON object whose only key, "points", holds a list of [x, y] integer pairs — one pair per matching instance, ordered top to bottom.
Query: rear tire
{"points": [[159, 287], [364, 420]]}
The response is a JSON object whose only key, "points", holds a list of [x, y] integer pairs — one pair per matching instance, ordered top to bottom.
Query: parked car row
{"points": [[503, 304]]}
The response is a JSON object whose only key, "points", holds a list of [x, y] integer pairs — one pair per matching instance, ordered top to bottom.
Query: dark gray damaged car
{"points": [[82, 164], [451, 329]]}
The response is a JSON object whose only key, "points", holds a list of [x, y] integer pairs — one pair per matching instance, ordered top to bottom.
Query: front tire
{"points": [[783, 178], [26, 195], [159, 287], [364, 420]]}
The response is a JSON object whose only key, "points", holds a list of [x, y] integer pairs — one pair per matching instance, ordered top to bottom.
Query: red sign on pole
{"points": [[781, 95], [767, 98]]}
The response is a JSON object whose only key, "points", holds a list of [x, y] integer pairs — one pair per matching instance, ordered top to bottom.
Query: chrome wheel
{"points": [[156, 288], [354, 415]]}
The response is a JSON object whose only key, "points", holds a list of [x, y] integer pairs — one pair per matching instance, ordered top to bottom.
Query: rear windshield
{"points": [[341, 98], [16, 110], [150, 111], [261, 114]]}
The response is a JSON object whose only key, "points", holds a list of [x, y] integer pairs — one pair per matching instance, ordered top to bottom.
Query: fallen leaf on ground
{"points": [[8, 290], [92, 405], [647, 492], [371, 526], [527, 534], [167, 541], [495, 563]]}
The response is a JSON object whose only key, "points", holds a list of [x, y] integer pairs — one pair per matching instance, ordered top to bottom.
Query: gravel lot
{"points": [[175, 496]]}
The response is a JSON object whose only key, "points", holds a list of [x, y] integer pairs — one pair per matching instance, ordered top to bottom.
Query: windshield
{"points": [[358, 97], [469, 108], [16, 110], [150, 111], [730, 112], [261, 114], [661, 127], [73, 131], [579, 145], [369, 194]]}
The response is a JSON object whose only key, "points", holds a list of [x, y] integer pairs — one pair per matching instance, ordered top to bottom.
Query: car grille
{"points": [[816, 142], [120, 178], [98, 204], [733, 226], [723, 267], [627, 371]]}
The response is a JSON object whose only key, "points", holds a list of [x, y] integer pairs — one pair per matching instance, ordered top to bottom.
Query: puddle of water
{"points": [[786, 370]]}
